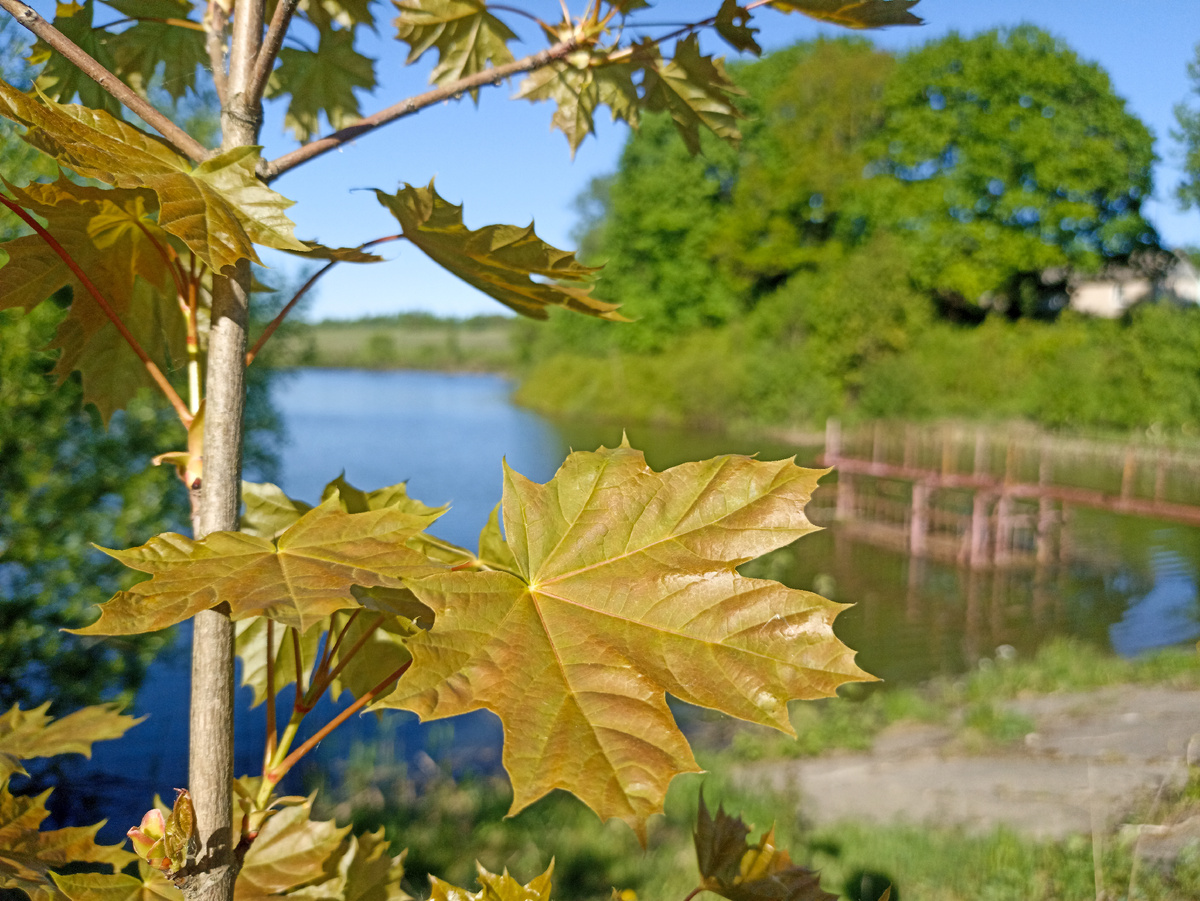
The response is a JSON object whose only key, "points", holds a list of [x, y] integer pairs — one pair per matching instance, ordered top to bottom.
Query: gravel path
{"points": [[1094, 758]]}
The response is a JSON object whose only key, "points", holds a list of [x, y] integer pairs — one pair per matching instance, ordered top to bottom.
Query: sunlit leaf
{"points": [[346, 13], [854, 13], [733, 25], [467, 37], [142, 47], [62, 79], [321, 82], [578, 84], [693, 88], [219, 208], [314, 251], [499, 260], [269, 511], [494, 551], [297, 580], [627, 590], [26, 734], [291, 850], [27, 854], [739, 871], [372, 873], [149, 885], [494, 888]]}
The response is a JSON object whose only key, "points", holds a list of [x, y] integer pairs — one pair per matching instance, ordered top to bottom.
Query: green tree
{"points": [[1188, 135], [1007, 155], [607, 587]]}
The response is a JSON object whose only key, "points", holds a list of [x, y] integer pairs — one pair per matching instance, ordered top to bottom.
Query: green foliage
{"points": [[1188, 135], [67, 482]]}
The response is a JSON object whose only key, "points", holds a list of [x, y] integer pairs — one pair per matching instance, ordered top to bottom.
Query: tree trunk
{"points": [[210, 757]]}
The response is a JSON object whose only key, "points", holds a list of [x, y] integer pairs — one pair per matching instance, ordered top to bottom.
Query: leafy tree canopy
{"points": [[1188, 135], [991, 158]]}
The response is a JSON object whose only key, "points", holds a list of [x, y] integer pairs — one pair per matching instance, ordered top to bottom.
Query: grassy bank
{"points": [[405, 341], [447, 824]]}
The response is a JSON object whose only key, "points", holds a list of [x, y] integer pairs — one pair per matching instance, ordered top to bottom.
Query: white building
{"points": [[1112, 293]]}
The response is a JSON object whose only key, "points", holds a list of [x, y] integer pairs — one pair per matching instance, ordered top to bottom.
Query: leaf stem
{"points": [[177, 23], [491, 75], [183, 142], [278, 320], [181, 409], [299, 669], [318, 688], [272, 733], [278, 772], [697, 890]]}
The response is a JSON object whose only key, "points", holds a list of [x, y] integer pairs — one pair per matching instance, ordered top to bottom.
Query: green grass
{"points": [[407, 341], [452, 824]]}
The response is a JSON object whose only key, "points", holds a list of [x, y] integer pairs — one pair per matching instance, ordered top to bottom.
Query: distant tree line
{"points": [[893, 237]]}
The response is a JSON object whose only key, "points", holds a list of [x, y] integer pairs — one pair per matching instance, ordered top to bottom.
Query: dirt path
{"points": [[1094, 757]]}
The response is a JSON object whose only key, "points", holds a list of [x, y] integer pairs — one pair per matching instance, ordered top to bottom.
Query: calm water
{"points": [[1131, 585]]}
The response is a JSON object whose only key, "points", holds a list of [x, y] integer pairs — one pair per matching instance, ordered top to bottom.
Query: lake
{"points": [[1129, 585]]}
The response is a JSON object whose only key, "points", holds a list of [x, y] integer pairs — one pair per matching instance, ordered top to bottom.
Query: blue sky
{"points": [[502, 162]]}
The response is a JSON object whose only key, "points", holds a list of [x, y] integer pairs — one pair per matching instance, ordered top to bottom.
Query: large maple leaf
{"points": [[855, 13], [467, 37], [693, 88], [219, 208], [111, 234], [499, 260], [297, 580], [627, 589]]}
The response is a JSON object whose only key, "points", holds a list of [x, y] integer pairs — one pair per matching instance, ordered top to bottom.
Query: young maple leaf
{"points": [[297, 580], [625, 588], [733, 868]]}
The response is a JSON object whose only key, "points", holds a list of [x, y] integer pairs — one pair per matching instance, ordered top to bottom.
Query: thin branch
{"points": [[515, 11], [215, 45], [265, 60], [492, 75], [182, 141], [278, 320], [151, 367], [277, 773], [694, 893]]}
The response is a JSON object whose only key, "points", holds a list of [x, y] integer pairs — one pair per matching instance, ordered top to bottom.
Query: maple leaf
{"points": [[346, 13], [854, 13], [733, 24], [467, 37], [140, 49], [62, 79], [321, 82], [578, 84], [693, 88], [219, 208], [111, 234], [314, 251], [499, 260], [270, 512], [297, 580], [627, 589], [26, 734], [290, 851], [27, 854], [739, 871], [149, 885], [494, 888]]}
